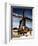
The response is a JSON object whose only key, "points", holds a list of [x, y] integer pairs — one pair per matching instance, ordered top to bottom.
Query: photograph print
{"points": [[21, 22]]}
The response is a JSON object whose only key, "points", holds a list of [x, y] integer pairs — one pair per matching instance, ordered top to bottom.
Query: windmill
{"points": [[20, 31]]}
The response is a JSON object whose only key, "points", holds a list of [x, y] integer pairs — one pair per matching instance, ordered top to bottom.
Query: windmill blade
{"points": [[17, 15], [20, 16], [28, 18]]}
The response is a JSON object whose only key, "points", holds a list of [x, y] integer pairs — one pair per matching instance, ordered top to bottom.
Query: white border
{"points": [[8, 23]]}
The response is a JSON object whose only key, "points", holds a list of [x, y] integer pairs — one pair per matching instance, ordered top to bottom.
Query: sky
{"points": [[27, 13]]}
